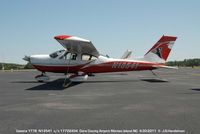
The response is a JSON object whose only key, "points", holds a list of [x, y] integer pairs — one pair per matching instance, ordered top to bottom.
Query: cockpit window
{"points": [[57, 53], [68, 55], [73, 56]]}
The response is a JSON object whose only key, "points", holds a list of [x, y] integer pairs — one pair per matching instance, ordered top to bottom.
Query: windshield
{"points": [[57, 53], [105, 55]]}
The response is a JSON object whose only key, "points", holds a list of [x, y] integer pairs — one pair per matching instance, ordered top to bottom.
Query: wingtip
{"points": [[61, 37]]}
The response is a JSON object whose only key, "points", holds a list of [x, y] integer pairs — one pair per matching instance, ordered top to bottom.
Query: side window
{"points": [[68, 56], [87, 57], [93, 58]]}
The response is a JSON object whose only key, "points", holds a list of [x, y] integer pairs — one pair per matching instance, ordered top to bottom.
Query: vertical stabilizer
{"points": [[160, 51]]}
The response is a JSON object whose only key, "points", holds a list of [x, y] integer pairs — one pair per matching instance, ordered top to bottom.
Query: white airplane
{"points": [[79, 58]]}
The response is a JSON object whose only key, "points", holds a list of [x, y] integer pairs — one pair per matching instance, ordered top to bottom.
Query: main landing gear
{"points": [[42, 77], [76, 78], [69, 79], [67, 82]]}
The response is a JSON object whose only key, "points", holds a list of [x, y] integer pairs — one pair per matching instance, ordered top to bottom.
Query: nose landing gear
{"points": [[42, 77]]}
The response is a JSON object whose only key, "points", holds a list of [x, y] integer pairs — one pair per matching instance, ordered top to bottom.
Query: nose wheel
{"points": [[42, 77]]}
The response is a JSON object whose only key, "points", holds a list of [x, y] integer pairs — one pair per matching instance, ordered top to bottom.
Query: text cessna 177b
{"points": [[80, 58]]}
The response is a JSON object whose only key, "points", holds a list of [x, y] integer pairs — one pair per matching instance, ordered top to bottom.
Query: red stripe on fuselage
{"points": [[114, 66], [118, 66]]}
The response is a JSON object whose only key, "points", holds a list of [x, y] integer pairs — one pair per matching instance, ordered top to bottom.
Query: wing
{"points": [[77, 45]]}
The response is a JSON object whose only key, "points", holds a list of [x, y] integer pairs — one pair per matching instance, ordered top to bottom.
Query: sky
{"points": [[28, 26]]}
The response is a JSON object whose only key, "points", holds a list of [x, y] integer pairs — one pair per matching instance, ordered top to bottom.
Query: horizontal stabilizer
{"points": [[164, 66]]}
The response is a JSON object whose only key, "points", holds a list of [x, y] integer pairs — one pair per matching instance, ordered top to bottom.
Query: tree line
{"points": [[185, 63], [9, 66]]}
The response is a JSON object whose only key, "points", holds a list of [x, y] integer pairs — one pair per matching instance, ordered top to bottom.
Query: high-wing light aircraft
{"points": [[80, 58]]}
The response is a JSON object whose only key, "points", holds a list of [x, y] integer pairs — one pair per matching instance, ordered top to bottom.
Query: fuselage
{"points": [[80, 55], [87, 64]]}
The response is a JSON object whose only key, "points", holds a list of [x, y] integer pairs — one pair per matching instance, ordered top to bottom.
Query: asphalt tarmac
{"points": [[114, 102]]}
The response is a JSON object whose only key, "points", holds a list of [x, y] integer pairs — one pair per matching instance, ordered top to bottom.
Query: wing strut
{"points": [[154, 73], [67, 81]]}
